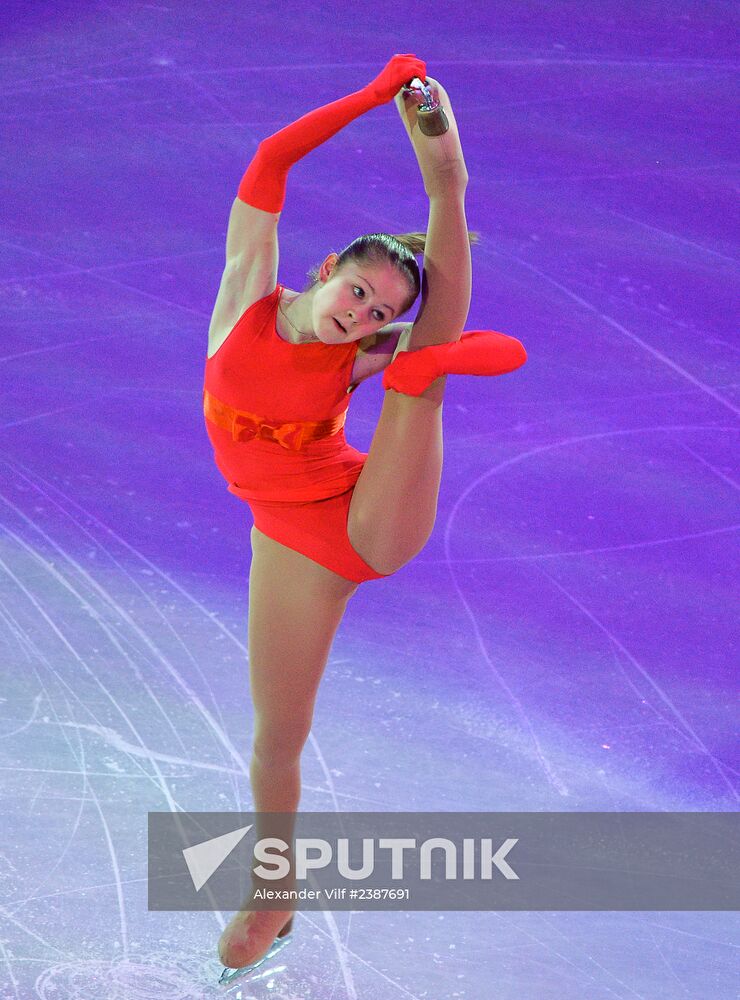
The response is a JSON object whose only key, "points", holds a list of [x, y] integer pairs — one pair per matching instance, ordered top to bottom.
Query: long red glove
{"points": [[263, 184], [478, 352]]}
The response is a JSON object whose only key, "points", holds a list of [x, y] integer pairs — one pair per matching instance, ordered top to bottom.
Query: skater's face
{"points": [[356, 300]]}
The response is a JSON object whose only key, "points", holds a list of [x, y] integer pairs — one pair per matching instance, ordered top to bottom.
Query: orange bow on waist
{"points": [[244, 426], [247, 426]]}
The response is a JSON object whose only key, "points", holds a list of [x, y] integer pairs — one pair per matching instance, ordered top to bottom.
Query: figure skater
{"points": [[280, 367]]}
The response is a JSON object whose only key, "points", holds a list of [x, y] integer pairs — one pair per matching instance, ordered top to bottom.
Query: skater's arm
{"points": [[252, 229], [251, 241]]}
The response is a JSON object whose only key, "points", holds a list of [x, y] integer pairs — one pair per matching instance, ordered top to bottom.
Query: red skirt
{"points": [[318, 530]]}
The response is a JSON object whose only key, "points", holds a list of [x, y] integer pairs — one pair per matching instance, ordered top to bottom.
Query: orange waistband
{"points": [[244, 426]]}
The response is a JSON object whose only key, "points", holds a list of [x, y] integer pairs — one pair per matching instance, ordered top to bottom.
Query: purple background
{"points": [[566, 640]]}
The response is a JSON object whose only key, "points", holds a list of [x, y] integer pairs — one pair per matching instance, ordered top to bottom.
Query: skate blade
{"points": [[229, 975]]}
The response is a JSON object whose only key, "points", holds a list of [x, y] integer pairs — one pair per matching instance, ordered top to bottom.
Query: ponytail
{"points": [[416, 242]]}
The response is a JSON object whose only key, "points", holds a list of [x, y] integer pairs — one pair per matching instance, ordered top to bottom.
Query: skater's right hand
{"points": [[397, 71]]}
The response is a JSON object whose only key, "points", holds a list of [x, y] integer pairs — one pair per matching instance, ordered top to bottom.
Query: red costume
{"points": [[275, 410], [298, 496]]}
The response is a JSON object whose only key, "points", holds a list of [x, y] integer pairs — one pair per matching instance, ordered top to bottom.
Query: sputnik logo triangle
{"points": [[203, 859]]}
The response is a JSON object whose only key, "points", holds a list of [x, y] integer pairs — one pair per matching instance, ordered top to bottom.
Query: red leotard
{"points": [[299, 498]]}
